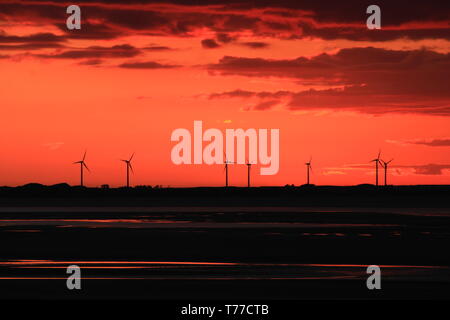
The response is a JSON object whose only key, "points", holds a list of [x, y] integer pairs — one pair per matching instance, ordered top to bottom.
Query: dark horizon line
{"points": [[156, 186]]}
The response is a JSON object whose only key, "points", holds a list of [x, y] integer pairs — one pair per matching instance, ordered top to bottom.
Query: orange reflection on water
{"points": [[49, 262], [147, 264]]}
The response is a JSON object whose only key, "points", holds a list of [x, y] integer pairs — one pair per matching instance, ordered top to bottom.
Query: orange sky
{"points": [[335, 95]]}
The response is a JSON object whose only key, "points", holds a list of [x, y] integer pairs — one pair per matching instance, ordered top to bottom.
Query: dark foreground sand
{"points": [[224, 253]]}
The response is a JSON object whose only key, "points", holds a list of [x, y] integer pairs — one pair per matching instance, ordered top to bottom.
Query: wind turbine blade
{"points": [[379, 154], [84, 156], [131, 156], [225, 157], [390, 160], [84, 164], [131, 167]]}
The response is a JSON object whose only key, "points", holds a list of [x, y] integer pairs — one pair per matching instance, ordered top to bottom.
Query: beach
{"points": [[223, 252]]}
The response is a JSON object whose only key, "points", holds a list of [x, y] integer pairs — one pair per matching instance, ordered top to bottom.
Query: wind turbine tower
{"points": [[377, 162], [385, 165], [82, 166], [129, 166], [249, 167], [308, 169], [226, 170]]}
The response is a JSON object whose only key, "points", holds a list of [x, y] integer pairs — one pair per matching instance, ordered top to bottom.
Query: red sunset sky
{"points": [[138, 70]]}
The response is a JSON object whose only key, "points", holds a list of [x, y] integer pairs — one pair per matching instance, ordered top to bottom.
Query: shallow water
{"points": [[221, 210], [289, 246], [159, 270]]}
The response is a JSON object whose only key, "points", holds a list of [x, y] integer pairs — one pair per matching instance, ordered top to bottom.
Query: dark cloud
{"points": [[38, 12], [392, 12], [135, 19], [287, 19], [238, 22], [91, 31], [361, 33], [34, 38], [224, 38], [210, 44], [256, 44], [31, 46], [157, 48], [118, 51], [91, 62], [146, 65], [348, 66], [259, 67], [371, 80], [233, 94], [248, 94], [341, 100], [368, 101], [265, 105], [435, 142], [443, 142], [430, 169]]}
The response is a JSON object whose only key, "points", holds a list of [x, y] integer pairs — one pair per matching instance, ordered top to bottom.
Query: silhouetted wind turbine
{"points": [[377, 162], [82, 164], [385, 165], [129, 166], [249, 167], [308, 168], [226, 170]]}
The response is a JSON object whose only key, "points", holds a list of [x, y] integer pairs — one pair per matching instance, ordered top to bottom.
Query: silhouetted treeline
{"points": [[354, 196]]}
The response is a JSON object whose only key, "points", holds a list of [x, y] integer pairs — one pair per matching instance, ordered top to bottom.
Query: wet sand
{"points": [[224, 253]]}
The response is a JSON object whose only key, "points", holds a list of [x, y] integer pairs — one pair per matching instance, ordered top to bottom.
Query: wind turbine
{"points": [[377, 162], [82, 164], [385, 165], [129, 166], [249, 167], [308, 168], [226, 169]]}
